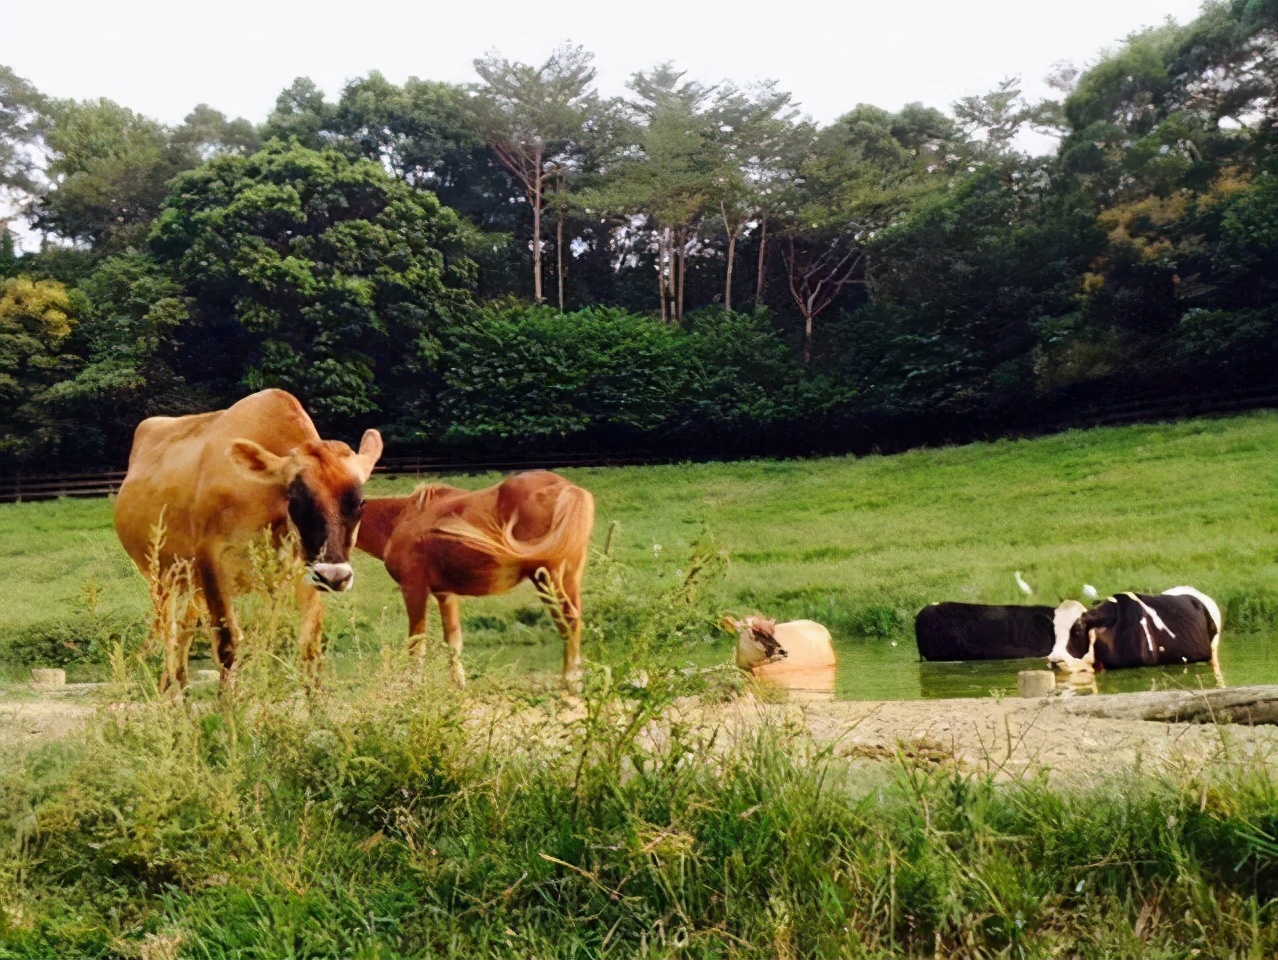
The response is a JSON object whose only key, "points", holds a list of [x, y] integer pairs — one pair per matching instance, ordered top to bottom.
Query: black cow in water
{"points": [[1141, 630], [983, 631]]}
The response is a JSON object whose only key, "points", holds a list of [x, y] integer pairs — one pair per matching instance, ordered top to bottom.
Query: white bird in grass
{"points": [[1025, 587], [1090, 592]]}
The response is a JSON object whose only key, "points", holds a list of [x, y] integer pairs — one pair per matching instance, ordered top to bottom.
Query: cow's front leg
{"points": [[416, 596], [310, 641]]}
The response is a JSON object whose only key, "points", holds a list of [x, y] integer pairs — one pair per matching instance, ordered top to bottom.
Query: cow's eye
{"points": [[352, 505]]}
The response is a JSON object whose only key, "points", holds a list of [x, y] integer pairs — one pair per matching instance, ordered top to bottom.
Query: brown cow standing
{"points": [[218, 480], [457, 543]]}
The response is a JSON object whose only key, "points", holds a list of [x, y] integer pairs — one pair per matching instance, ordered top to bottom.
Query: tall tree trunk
{"points": [[537, 191], [732, 231], [683, 243], [559, 248], [763, 248], [665, 270], [727, 286], [661, 287], [807, 338]]}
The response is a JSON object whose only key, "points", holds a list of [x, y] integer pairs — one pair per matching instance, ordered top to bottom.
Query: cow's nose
{"points": [[333, 576]]}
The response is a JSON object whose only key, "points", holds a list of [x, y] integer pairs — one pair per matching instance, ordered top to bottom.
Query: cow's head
{"points": [[323, 483], [1098, 627], [757, 641], [1065, 651]]}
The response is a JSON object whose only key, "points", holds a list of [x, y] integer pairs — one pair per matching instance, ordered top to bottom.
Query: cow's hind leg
{"points": [[561, 592], [450, 613]]}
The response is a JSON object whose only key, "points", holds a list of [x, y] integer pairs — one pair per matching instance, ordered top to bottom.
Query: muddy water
{"points": [[876, 670]]}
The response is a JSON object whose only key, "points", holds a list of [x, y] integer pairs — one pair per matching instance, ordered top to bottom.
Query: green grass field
{"points": [[859, 544], [387, 815]]}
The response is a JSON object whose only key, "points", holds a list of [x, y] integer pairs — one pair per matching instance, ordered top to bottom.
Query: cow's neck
{"points": [[378, 523]]}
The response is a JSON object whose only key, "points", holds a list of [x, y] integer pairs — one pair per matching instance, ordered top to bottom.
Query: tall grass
{"points": [[391, 817]]}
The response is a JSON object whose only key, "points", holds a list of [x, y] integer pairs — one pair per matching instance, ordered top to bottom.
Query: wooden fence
{"points": [[105, 484]]}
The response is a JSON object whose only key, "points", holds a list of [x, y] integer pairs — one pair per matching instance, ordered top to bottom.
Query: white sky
{"points": [[162, 58]]}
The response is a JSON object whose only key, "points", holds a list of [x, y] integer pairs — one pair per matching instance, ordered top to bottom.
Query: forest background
{"points": [[521, 265]]}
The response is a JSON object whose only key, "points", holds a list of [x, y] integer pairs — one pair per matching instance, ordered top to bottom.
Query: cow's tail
{"points": [[567, 539]]}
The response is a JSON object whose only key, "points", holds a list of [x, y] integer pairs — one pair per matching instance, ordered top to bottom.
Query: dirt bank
{"points": [[1008, 737]]}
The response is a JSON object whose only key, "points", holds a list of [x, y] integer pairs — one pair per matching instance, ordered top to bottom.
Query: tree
{"points": [[301, 113], [995, 117], [533, 118], [21, 125], [423, 131], [206, 132], [757, 136], [663, 169], [109, 173], [863, 173], [336, 278], [36, 317], [128, 341]]}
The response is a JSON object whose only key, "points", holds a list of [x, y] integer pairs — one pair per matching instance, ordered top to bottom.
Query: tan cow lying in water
{"points": [[218, 480], [798, 654]]}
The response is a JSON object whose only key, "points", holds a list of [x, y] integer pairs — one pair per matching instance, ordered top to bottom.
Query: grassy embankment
{"points": [[384, 817]]}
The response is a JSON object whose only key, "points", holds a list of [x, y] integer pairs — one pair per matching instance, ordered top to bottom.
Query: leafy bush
{"points": [[532, 372], [69, 638]]}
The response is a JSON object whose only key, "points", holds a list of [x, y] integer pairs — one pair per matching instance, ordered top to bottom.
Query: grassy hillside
{"points": [[857, 543]]}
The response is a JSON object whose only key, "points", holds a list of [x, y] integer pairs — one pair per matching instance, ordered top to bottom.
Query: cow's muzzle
{"points": [[335, 577]]}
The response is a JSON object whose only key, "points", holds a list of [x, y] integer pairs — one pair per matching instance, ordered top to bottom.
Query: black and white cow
{"points": [[1181, 625], [983, 631]]}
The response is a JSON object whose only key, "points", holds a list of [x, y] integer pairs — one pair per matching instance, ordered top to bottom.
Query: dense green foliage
{"points": [[926, 278]]}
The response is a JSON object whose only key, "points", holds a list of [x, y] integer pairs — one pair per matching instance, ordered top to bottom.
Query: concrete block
{"points": [[1036, 683]]}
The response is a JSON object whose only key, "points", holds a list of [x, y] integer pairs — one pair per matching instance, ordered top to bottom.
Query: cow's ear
{"points": [[370, 451], [254, 459]]}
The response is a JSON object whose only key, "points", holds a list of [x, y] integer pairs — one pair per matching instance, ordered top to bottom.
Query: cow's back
{"points": [[178, 468], [1188, 623], [979, 631], [807, 645]]}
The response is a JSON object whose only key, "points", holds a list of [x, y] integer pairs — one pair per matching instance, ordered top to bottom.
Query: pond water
{"points": [[868, 669], [878, 671]]}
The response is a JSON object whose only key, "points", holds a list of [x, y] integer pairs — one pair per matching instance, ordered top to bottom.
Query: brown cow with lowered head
{"points": [[219, 480]]}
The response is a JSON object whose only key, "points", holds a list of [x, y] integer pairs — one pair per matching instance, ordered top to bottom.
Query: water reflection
{"points": [[806, 684]]}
